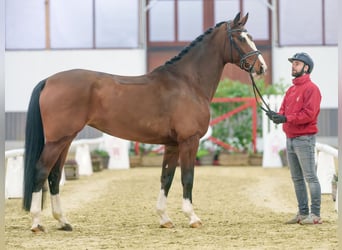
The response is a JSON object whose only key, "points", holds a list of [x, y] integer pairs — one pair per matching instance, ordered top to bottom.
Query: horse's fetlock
{"points": [[56, 216]]}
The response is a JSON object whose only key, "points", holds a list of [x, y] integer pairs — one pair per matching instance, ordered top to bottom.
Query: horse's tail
{"points": [[34, 144]]}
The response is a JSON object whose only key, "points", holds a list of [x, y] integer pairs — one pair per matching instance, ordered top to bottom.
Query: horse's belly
{"points": [[135, 130]]}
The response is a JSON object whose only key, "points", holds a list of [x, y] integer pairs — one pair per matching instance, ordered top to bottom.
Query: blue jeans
{"points": [[301, 159]]}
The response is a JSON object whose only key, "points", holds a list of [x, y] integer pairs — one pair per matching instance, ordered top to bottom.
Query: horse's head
{"points": [[243, 51]]}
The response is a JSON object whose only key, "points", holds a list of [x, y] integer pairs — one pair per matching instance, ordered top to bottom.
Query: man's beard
{"points": [[297, 74]]}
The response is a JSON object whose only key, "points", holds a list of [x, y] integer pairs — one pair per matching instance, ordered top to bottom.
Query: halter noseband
{"points": [[243, 61], [244, 65]]}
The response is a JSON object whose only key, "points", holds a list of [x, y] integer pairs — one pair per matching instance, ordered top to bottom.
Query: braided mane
{"points": [[192, 44]]}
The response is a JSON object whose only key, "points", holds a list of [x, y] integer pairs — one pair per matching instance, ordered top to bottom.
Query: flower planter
{"points": [[103, 155], [283, 157], [235, 159], [255, 159], [206, 160], [105, 161], [135, 161], [152, 161], [96, 163], [71, 170], [334, 183]]}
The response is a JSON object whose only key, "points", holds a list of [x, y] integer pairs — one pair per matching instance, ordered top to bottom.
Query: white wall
{"points": [[24, 69], [324, 74]]}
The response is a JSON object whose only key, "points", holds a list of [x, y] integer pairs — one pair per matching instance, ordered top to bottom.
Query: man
{"points": [[298, 113]]}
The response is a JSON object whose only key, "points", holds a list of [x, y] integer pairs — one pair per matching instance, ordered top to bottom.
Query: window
{"points": [[225, 10], [190, 19], [162, 21], [175, 21], [330, 21], [178, 22], [258, 23], [25, 24], [72, 24], [116, 26], [298, 26]]}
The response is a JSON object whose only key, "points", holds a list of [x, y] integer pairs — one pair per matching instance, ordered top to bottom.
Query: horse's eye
{"points": [[242, 39]]}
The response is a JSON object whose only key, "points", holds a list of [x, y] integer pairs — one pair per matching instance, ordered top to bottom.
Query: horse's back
{"points": [[71, 99]]}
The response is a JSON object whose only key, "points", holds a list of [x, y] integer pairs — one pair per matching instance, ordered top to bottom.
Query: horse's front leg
{"points": [[188, 151], [170, 162]]}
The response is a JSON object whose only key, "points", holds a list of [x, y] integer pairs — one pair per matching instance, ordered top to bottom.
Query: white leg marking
{"points": [[36, 208], [161, 208], [57, 210], [189, 211]]}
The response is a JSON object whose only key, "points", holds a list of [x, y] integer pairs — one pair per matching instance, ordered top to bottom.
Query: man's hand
{"points": [[270, 114], [279, 118]]}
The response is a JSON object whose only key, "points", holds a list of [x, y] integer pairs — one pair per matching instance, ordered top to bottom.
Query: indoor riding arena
{"points": [[181, 81], [240, 208]]}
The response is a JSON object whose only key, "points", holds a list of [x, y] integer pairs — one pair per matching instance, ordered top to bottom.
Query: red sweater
{"points": [[301, 106]]}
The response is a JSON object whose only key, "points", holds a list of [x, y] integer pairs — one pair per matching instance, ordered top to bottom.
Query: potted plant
{"points": [[205, 154], [151, 155], [283, 157], [100, 158], [71, 169], [334, 183]]}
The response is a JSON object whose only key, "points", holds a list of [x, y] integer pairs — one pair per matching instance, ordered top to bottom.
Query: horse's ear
{"points": [[237, 18], [244, 20]]}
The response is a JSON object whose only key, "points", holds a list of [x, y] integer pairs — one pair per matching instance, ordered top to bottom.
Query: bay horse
{"points": [[168, 106]]}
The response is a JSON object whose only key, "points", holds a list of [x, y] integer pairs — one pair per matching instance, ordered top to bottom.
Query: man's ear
{"points": [[306, 68]]}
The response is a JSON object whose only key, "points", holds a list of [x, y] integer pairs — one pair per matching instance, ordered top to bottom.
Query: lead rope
{"points": [[256, 91]]}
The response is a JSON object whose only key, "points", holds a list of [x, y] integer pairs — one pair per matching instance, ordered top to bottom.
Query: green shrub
{"points": [[237, 129]]}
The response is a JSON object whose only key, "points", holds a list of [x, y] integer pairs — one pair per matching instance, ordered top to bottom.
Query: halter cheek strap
{"points": [[243, 56], [245, 65]]}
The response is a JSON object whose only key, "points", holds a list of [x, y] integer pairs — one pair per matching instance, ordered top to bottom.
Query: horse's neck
{"points": [[203, 65]]}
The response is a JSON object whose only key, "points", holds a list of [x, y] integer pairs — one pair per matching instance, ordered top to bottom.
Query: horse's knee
{"points": [[167, 176], [40, 178], [54, 179], [166, 181], [187, 182]]}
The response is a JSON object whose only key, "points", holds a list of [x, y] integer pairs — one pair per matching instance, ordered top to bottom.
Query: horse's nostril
{"points": [[263, 69]]}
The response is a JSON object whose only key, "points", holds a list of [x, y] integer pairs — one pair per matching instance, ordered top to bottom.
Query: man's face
{"points": [[297, 67]]}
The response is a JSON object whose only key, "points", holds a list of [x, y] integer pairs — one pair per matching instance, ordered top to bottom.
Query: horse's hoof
{"points": [[168, 224], [196, 224], [66, 227], [38, 229]]}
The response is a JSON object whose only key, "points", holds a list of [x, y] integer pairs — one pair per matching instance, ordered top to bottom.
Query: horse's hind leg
{"points": [[48, 159], [168, 170], [54, 180]]}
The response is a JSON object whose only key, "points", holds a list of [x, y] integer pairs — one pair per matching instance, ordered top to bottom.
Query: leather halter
{"points": [[243, 56], [245, 65]]}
